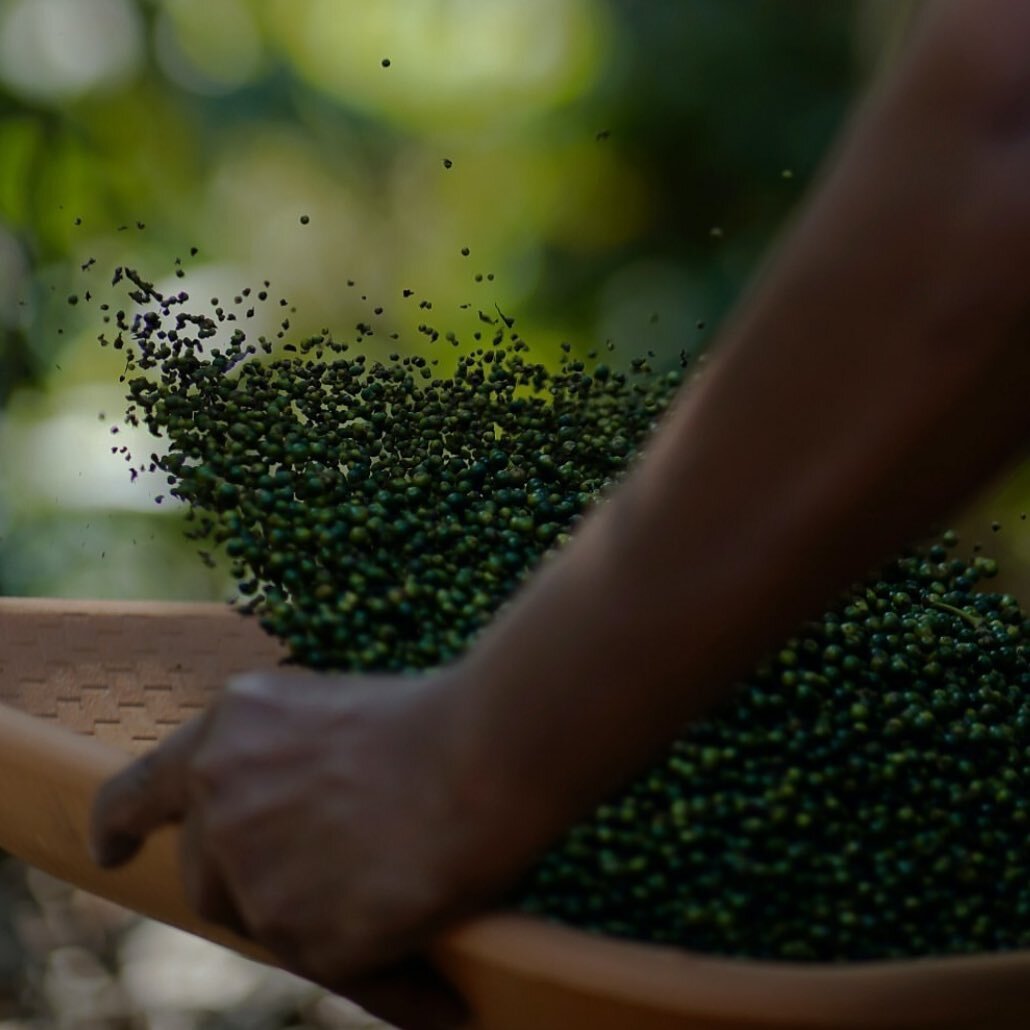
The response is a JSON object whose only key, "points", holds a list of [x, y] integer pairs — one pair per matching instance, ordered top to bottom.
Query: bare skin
{"points": [[873, 377]]}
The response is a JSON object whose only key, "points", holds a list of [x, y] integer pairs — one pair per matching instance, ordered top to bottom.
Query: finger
{"points": [[148, 793], [206, 888], [411, 995]]}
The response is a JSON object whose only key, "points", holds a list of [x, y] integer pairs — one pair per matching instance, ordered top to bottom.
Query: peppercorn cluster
{"points": [[379, 512], [861, 796]]}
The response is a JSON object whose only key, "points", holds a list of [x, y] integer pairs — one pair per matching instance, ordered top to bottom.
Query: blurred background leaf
{"points": [[615, 169]]}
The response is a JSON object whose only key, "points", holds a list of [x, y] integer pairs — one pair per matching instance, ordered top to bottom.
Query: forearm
{"points": [[872, 379]]}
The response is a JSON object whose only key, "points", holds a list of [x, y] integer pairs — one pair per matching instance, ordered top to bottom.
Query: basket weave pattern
{"points": [[55, 664]]}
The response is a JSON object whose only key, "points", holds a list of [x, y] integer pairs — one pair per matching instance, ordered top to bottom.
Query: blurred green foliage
{"points": [[615, 169]]}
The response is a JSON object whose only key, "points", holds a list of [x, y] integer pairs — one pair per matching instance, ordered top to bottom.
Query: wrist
{"points": [[499, 827]]}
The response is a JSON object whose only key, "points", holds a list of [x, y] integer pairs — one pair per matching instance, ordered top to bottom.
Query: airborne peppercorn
{"points": [[459, 455], [863, 795]]}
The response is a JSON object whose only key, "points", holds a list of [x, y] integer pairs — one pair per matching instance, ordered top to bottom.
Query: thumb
{"points": [[146, 794]]}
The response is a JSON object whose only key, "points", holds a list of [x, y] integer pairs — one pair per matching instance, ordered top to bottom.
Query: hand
{"points": [[333, 821]]}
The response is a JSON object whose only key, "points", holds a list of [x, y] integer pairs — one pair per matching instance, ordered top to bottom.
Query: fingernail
{"points": [[114, 849]]}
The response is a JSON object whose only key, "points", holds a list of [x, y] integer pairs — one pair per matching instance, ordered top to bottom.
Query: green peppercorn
{"points": [[860, 796]]}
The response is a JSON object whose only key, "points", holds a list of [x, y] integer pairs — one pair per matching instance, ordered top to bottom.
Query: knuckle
{"points": [[246, 682], [251, 689], [250, 700]]}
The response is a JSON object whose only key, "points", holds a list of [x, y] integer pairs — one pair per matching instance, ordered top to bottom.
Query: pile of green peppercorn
{"points": [[863, 794]]}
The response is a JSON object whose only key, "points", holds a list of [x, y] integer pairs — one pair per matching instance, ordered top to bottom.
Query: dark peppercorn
{"points": [[862, 795]]}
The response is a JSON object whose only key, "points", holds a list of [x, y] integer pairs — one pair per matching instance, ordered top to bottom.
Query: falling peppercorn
{"points": [[862, 795]]}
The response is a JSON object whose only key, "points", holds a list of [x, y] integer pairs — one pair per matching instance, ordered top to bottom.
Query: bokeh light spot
{"points": [[208, 48], [55, 49], [455, 63]]}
